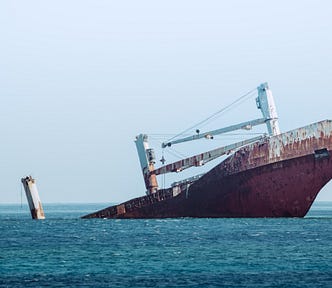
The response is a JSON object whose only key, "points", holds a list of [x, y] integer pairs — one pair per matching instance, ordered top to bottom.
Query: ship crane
{"points": [[265, 103], [203, 158]]}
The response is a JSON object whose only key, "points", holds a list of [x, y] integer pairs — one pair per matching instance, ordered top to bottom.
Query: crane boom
{"points": [[265, 103], [208, 135], [201, 159]]}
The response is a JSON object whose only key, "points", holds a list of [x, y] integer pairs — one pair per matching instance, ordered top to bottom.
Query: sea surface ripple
{"points": [[66, 251]]}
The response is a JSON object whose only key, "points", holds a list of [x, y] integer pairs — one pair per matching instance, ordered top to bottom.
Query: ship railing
{"points": [[187, 180]]}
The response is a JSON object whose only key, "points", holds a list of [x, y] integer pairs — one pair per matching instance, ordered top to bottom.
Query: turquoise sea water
{"points": [[66, 251]]}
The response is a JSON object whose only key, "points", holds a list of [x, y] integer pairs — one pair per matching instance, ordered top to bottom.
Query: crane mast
{"points": [[265, 103], [147, 160]]}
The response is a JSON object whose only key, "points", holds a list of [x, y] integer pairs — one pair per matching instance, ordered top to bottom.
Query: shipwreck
{"points": [[272, 175]]}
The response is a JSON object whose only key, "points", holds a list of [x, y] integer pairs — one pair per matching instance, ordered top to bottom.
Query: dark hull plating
{"points": [[278, 177]]}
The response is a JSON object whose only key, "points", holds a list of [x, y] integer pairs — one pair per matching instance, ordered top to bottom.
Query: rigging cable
{"points": [[214, 114], [170, 150]]}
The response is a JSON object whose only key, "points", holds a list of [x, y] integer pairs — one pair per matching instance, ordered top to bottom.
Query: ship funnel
{"points": [[265, 103]]}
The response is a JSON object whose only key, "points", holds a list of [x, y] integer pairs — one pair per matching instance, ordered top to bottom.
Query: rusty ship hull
{"points": [[279, 176]]}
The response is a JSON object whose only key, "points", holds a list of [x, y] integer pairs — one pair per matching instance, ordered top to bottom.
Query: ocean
{"points": [[66, 251]]}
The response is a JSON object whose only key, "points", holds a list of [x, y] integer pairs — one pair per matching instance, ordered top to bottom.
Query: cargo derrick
{"points": [[274, 175]]}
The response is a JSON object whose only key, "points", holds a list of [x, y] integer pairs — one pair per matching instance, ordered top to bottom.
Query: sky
{"points": [[80, 79]]}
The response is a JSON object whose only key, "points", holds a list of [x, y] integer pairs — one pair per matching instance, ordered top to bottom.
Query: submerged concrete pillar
{"points": [[31, 192]]}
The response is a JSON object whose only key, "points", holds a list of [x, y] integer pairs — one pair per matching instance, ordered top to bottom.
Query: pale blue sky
{"points": [[80, 79]]}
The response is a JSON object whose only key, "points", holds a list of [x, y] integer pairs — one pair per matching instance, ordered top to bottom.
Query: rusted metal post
{"points": [[31, 192]]}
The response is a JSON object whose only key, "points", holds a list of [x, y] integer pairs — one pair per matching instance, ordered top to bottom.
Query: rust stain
{"points": [[276, 177]]}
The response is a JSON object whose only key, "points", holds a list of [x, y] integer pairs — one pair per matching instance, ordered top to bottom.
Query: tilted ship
{"points": [[273, 175]]}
